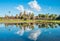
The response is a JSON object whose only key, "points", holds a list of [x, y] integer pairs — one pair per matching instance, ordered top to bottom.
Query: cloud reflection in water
{"points": [[27, 29], [21, 32], [34, 35]]}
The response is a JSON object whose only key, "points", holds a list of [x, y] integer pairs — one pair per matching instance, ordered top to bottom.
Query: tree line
{"points": [[31, 16]]}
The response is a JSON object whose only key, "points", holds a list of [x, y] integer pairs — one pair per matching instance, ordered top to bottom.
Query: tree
{"points": [[40, 16], [47, 16], [53, 16], [43, 17], [58, 18]]}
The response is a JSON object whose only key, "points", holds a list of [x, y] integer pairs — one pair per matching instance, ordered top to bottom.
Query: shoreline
{"points": [[29, 21]]}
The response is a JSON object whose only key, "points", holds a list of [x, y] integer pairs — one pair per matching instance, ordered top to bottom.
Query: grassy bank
{"points": [[16, 21], [27, 21], [49, 21]]}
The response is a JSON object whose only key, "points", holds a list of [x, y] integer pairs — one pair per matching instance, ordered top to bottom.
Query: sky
{"points": [[35, 6]]}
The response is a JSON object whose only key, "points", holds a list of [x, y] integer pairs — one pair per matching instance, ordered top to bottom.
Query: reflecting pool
{"points": [[29, 32]]}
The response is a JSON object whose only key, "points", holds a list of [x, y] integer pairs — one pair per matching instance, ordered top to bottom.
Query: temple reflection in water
{"points": [[31, 25]]}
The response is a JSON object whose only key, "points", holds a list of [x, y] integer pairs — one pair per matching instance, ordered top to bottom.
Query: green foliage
{"points": [[30, 16]]}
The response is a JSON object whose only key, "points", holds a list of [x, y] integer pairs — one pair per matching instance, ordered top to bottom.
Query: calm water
{"points": [[29, 32]]}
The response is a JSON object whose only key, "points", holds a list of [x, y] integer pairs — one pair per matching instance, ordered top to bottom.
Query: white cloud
{"points": [[34, 5], [20, 8], [29, 11], [34, 35]]}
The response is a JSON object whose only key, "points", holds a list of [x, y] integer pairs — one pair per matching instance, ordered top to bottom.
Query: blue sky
{"points": [[43, 6]]}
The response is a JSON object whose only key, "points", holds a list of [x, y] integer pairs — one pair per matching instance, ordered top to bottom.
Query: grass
{"points": [[15, 21], [27, 21], [49, 21]]}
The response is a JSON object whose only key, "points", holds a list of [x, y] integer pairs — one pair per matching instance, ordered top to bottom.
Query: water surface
{"points": [[29, 32]]}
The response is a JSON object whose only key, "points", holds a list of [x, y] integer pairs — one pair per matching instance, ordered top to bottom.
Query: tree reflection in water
{"points": [[30, 26], [26, 27], [31, 31]]}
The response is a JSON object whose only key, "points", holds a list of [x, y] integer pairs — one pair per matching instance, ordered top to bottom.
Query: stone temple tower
{"points": [[24, 12]]}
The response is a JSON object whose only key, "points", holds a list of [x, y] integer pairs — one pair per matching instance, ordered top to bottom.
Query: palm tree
{"points": [[40, 16], [43, 16], [47, 16], [53, 16], [6, 17]]}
